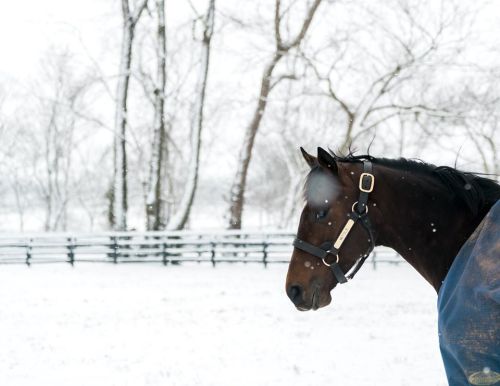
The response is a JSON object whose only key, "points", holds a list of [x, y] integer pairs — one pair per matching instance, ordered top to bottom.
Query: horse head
{"points": [[334, 235]]}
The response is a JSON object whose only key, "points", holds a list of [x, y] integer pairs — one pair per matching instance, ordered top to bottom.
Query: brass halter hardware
{"points": [[362, 181], [356, 203], [330, 253]]}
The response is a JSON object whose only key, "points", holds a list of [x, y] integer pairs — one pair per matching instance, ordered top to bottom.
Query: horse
{"points": [[424, 212]]}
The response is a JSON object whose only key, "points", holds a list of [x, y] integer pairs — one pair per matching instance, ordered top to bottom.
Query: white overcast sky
{"points": [[29, 27]]}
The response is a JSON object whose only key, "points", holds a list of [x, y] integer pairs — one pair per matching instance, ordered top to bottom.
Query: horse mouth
{"points": [[315, 302]]}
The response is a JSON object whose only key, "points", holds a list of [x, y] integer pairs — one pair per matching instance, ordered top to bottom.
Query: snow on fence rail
{"points": [[163, 247]]}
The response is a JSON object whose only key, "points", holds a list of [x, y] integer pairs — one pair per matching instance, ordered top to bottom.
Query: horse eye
{"points": [[321, 214]]}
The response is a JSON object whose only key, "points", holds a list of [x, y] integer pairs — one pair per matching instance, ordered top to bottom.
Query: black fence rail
{"points": [[158, 247]]}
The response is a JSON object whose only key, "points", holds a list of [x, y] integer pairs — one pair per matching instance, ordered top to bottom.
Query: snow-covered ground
{"points": [[142, 324]]}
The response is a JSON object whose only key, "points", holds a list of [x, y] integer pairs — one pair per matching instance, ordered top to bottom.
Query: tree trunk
{"points": [[120, 148], [49, 165], [239, 182], [236, 195], [119, 196], [292, 198], [154, 204], [178, 221]]}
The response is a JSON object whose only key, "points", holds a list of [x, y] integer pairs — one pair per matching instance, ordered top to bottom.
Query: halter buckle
{"points": [[363, 181]]}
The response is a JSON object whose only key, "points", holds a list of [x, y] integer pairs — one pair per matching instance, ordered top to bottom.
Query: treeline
{"points": [[208, 101]]}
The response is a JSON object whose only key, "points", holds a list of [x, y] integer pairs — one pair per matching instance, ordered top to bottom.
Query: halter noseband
{"points": [[359, 213]]}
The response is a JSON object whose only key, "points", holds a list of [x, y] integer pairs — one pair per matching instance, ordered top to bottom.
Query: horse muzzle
{"points": [[305, 300]]}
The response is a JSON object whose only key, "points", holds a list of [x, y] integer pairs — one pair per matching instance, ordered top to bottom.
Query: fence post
{"points": [[199, 248], [115, 249], [28, 252], [164, 252], [212, 253], [71, 254], [264, 260]]}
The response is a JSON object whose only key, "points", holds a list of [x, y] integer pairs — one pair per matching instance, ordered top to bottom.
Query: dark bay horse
{"points": [[353, 203]]}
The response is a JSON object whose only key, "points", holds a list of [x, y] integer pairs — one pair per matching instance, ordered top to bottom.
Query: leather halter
{"points": [[359, 213]]}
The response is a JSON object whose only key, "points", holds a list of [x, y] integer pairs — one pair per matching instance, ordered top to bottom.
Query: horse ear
{"points": [[310, 159], [326, 160]]}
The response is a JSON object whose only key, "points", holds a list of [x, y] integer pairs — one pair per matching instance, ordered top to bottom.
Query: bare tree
{"points": [[282, 48], [390, 84], [383, 90], [482, 121], [52, 140], [16, 173], [21, 195], [118, 197], [154, 203], [179, 219]]}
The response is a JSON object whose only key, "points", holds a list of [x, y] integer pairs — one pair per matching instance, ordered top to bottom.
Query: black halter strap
{"points": [[359, 213]]}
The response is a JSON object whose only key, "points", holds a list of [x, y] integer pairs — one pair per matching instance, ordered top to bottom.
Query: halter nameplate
{"points": [[347, 228]]}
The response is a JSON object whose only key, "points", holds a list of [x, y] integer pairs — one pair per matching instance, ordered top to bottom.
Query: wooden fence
{"points": [[160, 247]]}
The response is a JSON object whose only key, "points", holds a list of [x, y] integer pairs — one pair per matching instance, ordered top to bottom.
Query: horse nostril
{"points": [[295, 293]]}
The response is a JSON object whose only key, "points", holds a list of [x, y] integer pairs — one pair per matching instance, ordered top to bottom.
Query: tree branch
{"points": [[277, 23], [305, 26]]}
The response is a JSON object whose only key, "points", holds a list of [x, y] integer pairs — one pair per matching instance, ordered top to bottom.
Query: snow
{"points": [[145, 324]]}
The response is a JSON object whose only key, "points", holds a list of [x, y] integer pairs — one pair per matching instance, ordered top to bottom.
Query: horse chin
{"points": [[325, 300]]}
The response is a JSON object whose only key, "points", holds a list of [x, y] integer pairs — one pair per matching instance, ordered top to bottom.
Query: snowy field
{"points": [[142, 324]]}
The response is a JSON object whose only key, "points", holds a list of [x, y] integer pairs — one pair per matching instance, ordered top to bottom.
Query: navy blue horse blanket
{"points": [[469, 308]]}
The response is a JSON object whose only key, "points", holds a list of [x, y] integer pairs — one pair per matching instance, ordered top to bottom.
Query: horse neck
{"points": [[416, 217]]}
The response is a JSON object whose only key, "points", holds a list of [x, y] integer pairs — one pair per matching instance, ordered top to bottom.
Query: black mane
{"points": [[477, 193]]}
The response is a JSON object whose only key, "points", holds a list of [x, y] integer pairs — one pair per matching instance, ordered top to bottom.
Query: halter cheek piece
{"points": [[359, 213]]}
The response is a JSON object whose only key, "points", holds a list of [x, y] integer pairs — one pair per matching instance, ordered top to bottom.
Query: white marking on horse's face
{"points": [[307, 264]]}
